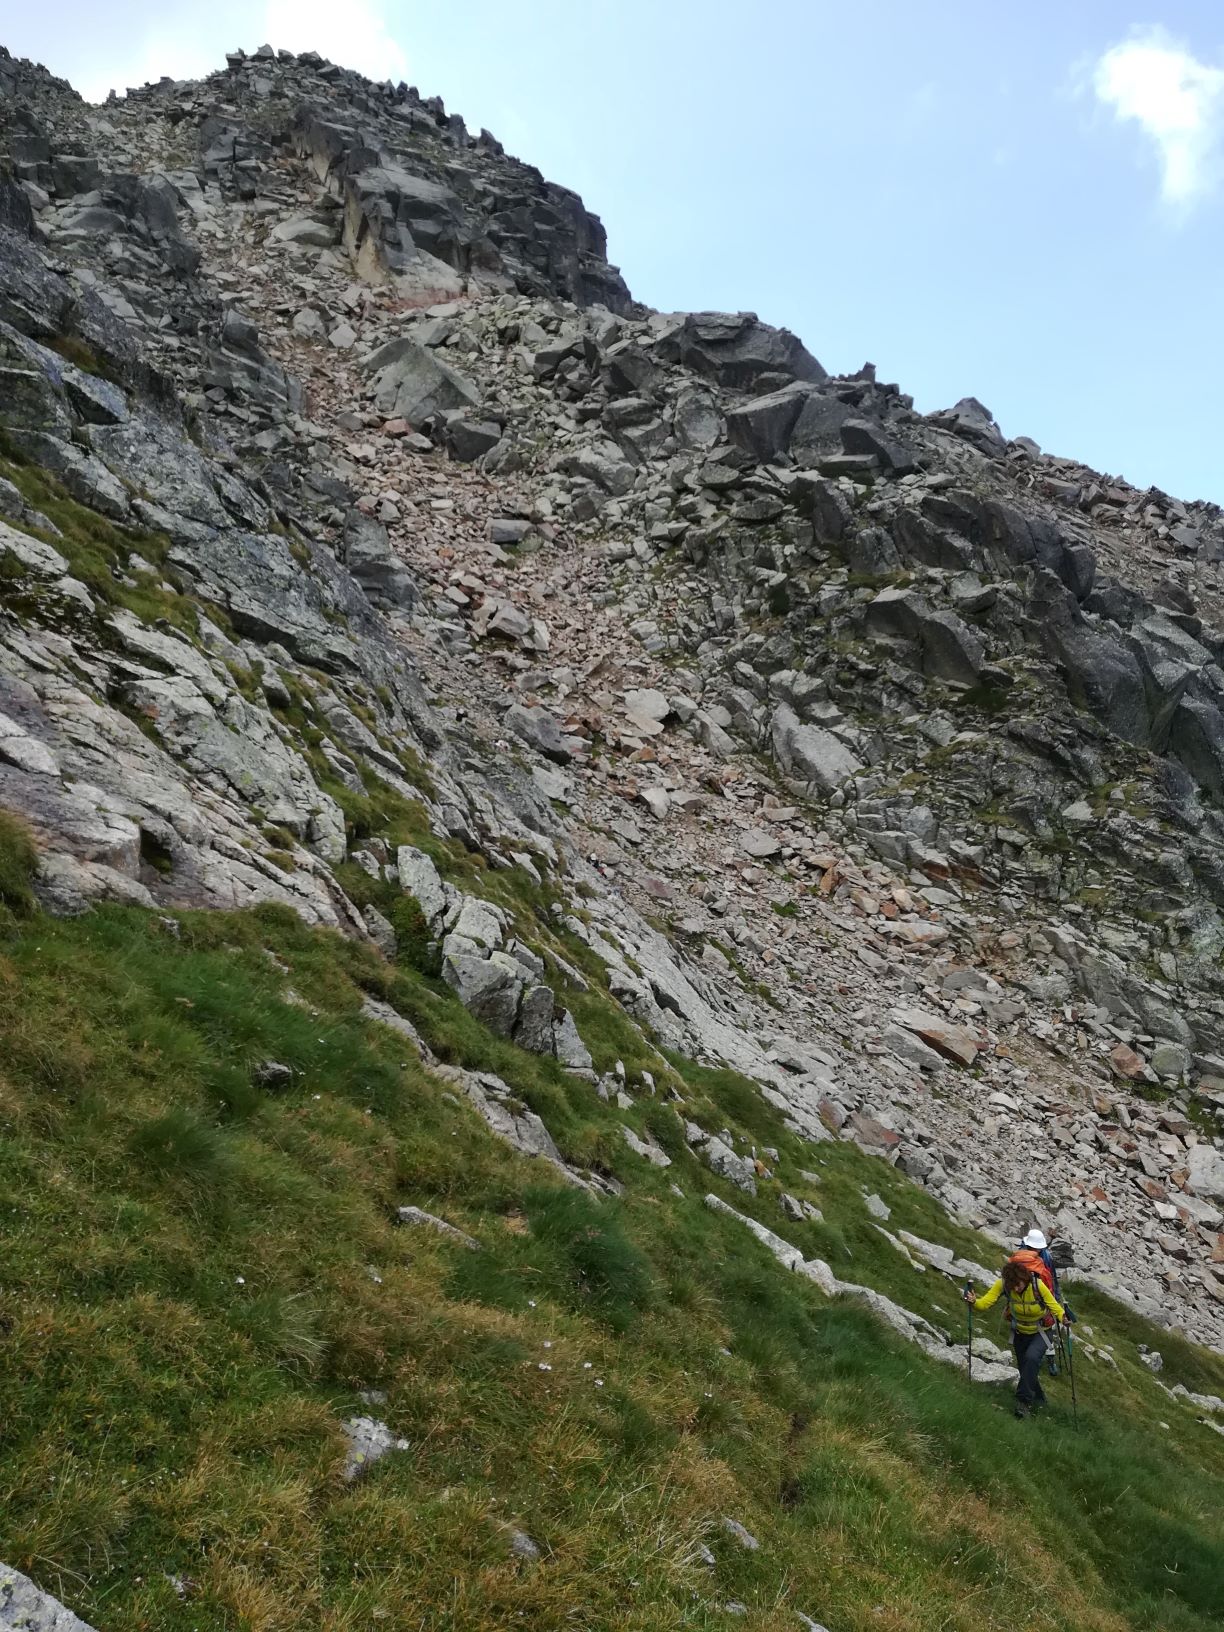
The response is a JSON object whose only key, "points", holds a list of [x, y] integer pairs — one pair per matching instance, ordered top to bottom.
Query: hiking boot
{"points": [[1052, 1366], [1021, 1410]]}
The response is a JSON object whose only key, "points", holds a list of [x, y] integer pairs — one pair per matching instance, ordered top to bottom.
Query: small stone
{"points": [[308, 325], [656, 800], [1126, 1062], [273, 1074], [647, 1148], [415, 1216], [368, 1442], [745, 1537], [522, 1546]]}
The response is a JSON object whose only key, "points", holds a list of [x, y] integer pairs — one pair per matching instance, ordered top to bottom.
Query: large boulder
{"points": [[412, 211], [390, 217], [306, 231], [736, 349], [629, 372], [412, 383], [696, 420], [973, 421], [762, 427], [817, 431], [868, 437], [467, 439], [84, 476], [826, 504], [1020, 537], [920, 539], [873, 551], [369, 557], [950, 649], [1103, 675], [542, 731], [1197, 740], [810, 754], [420, 878], [489, 987], [953, 1042], [568, 1044], [1205, 1173]]}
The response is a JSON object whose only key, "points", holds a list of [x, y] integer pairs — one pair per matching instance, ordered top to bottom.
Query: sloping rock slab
{"points": [[953, 1042], [26, 1606]]}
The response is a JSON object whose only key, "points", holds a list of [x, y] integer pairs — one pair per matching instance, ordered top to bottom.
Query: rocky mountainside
{"points": [[366, 549], [885, 718]]}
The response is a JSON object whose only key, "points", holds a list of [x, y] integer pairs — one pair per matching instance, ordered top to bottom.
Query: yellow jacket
{"points": [[1026, 1307]]}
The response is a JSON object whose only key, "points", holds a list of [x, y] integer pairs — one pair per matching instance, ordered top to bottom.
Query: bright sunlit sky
{"points": [[1023, 203]]}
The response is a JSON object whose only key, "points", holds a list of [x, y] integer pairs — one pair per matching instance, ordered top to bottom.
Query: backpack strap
{"points": [[1047, 1259], [1045, 1315]]}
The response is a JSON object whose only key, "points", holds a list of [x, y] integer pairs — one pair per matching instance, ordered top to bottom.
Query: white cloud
{"points": [[356, 34], [183, 52], [1178, 101]]}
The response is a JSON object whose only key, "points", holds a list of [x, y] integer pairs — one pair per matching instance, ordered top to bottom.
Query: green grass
{"points": [[73, 349], [17, 859], [201, 1275]]}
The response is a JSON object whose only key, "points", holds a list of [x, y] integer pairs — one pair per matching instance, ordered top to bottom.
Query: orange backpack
{"points": [[1035, 1264], [1038, 1270]]}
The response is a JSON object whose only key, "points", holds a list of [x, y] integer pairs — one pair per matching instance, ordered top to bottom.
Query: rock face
{"points": [[421, 210], [366, 550], [492, 974], [23, 1605]]}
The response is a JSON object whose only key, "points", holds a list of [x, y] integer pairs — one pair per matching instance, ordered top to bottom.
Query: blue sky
{"points": [[1025, 204]]}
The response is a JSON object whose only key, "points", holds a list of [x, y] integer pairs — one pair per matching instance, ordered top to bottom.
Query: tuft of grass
{"points": [[73, 349], [18, 859], [414, 945], [178, 1143], [602, 1269]]}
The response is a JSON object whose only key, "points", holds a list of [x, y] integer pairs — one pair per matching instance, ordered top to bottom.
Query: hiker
{"points": [[1035, 1245], [1034, 1250], [1031, 1307]]}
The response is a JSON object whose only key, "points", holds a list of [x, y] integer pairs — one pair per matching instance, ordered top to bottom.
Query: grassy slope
{"points": [[200, 1276]]}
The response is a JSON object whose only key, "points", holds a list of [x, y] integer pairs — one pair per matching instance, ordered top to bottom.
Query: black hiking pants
{"points": [[1030, 1350]]}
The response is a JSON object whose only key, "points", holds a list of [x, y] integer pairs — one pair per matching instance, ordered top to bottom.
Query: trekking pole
{"points": [[969, 1312], [1071, 1374]]}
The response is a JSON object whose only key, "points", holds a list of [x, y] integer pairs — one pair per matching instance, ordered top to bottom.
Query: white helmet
{"points": [[1036, 1240]]}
